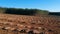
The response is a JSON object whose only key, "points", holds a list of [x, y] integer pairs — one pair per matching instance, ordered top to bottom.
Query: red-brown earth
{"points": [[23, 24]]}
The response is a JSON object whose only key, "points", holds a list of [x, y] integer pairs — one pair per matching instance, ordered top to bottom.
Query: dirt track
{"points": [[22, 24]]}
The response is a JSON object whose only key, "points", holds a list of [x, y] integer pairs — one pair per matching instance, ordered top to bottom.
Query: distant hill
{"points": [[21, 11], [26, 11], [54, 13]]}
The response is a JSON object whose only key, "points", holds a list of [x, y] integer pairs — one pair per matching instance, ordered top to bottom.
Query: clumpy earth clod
{"points": [[22, 24]]}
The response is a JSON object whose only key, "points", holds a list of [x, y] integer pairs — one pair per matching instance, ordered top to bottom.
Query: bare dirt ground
{"points": [[23, 24]]}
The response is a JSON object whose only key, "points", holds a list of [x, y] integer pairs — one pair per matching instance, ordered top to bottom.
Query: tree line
{"points": [[21, 11], [26, 11]]}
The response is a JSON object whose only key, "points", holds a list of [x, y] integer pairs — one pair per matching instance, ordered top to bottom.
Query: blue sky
{"points": [[51, 5]]}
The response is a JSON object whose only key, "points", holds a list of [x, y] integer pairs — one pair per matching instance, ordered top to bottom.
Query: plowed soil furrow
{"points": [[17, 24]]}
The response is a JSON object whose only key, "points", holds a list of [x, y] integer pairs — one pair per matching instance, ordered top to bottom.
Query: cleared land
{"points": [[22, 24]]}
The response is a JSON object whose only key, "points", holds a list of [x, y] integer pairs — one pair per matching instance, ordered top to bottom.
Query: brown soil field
{"points": [[23, 24]]}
